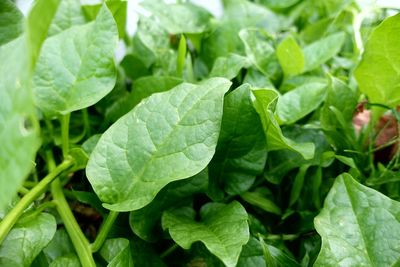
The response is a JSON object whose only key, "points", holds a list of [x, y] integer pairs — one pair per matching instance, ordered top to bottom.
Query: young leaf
{"points": [[68, 14], [11, 22], [322, 50], [290, 56], [229, 67], [76, 68], [378, 72], [265, 100], [299, 102], [19, 126], [169, 136], [359, 226], [223, 229], [26, 240], [117, 252]]}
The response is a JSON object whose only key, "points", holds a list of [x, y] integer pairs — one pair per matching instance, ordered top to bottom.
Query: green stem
{"points": [[65, 134], [11, 218], [104, 230], [78, 239], [169, 251]]}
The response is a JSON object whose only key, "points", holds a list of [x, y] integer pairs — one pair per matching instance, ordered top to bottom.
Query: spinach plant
{"points": [[268, 136]]}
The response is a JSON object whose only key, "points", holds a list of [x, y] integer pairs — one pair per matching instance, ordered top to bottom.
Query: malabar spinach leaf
{"points": [[175, 135], [223, 229]]}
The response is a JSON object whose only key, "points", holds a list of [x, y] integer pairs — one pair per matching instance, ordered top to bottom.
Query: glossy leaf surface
{"points": [[170, 136]]}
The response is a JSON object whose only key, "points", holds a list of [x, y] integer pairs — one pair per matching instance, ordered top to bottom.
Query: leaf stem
{"points": [[65, 134], [11, 218], [104, 230], [78, 239], [169, 251]]}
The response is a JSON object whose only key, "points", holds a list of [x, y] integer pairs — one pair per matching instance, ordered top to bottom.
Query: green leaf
{"points": [[278, 3], [118, 9], [68, 14], [179, 18], [11, 22], [38, 24], [322, 50], [260, 51], [181, 55], [290, 56], [76, 67], [229, 67], [378, 72], [265, 100], [299, 102], [19, 130], [168, 137], [241, 154], [298, 184], [258, 200], [143, 222], [359, 226], [223, 229], [26, 240], [59, 246], [117, 252], [70, 260]]}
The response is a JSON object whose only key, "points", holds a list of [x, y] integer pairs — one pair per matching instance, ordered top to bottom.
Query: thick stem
{"points": [[11, 218], [104, 230], [78, 239]]}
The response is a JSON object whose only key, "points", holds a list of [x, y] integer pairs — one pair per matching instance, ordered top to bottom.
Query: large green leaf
{"points": [[11, 21], [322, 50], [76, 67], [378, 72], [265, 102], [299, 102], [19, 127], [169, 136], [241, 153], [359, 226], [223, 229], [26, 240], [117, 252]]}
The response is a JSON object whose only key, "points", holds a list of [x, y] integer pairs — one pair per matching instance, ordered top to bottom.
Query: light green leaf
{"points": [[279, 3], [118, 9], [68, 14], [179, 18], [11, 22], [38, 24], [322, 50], [260, 51], [181, 55], [290, 56], [76, 67], [229, 67], [378, 74], [265, 101], [299, 102], [19, 127], [169, 136], [241, 153], [259, 200], [359, 226], [223, 229], [26, 240], [117, 252]]}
